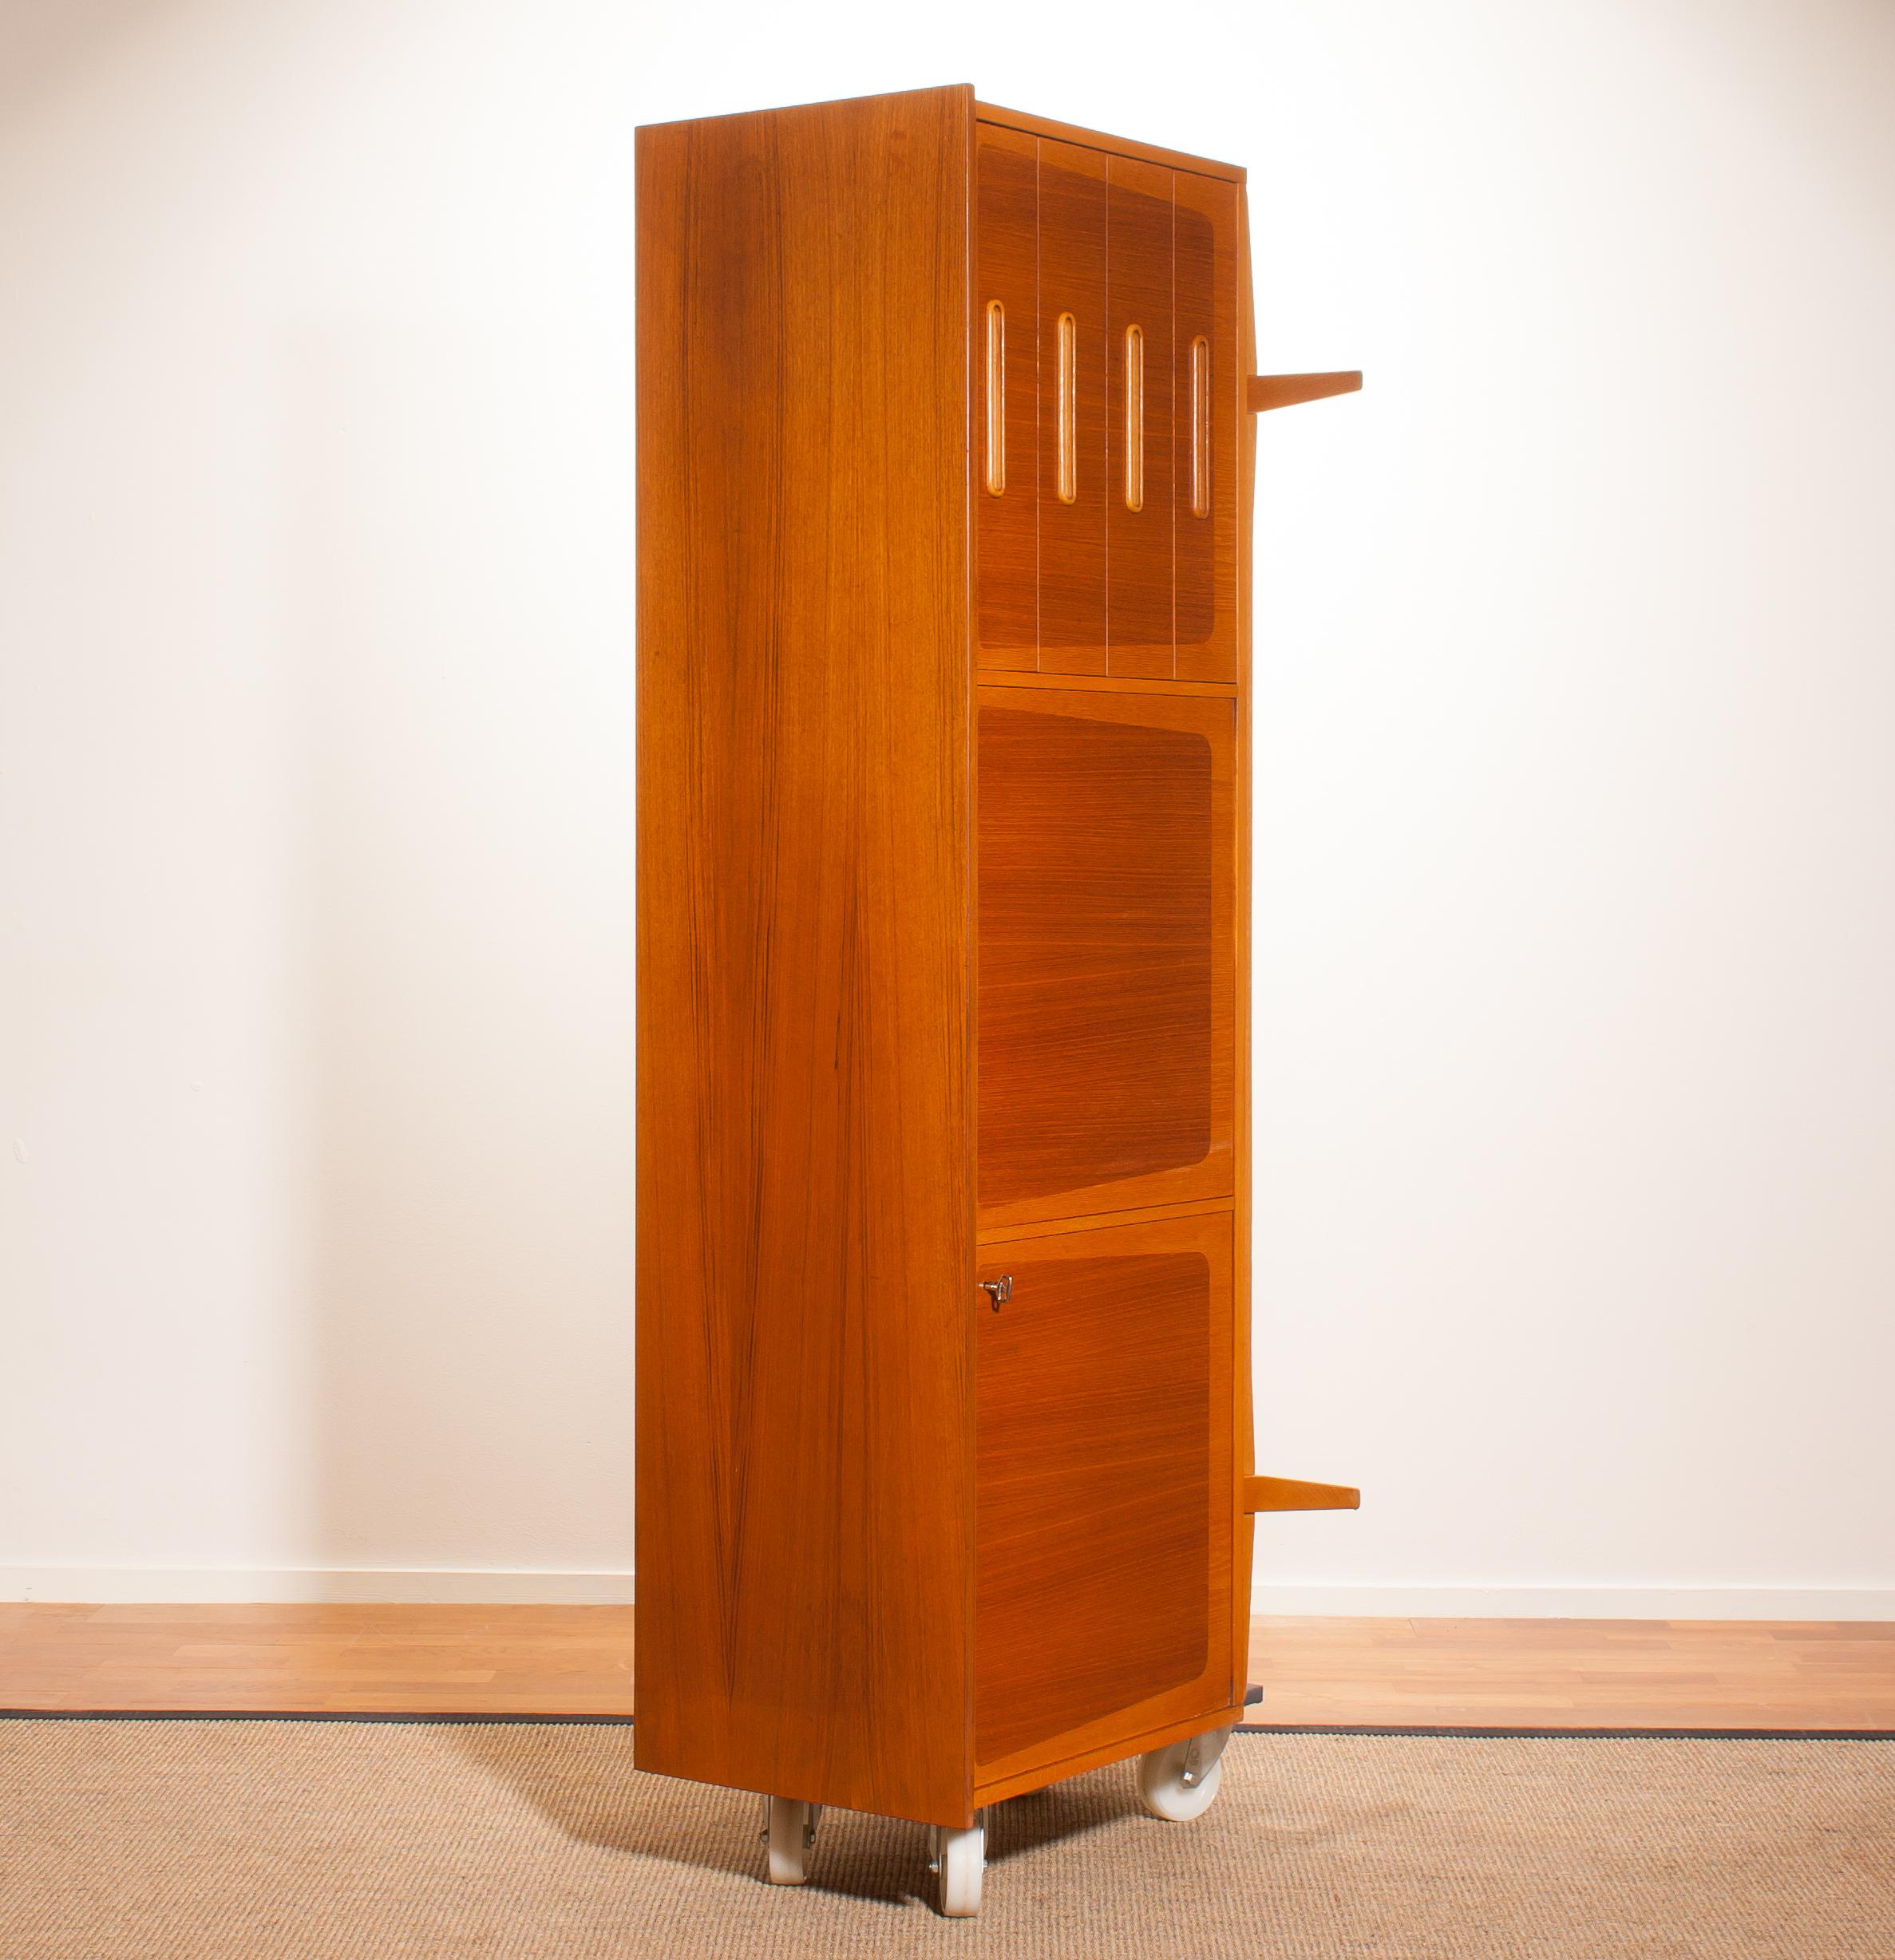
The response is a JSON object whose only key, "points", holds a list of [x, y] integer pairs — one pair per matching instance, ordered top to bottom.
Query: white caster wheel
{"points": [[1179, 1781], [789, 1831], [961, 1858]]}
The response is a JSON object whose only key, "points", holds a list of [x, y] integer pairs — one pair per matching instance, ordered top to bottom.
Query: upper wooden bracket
{"points": [[1284, 391], [1291, 1494]]}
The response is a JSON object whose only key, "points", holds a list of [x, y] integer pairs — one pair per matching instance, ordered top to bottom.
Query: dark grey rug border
{"points": [[398, 1715], [1490, 1734]]}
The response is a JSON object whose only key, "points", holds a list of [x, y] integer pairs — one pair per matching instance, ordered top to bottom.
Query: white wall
{"points": [[1575, 834]]}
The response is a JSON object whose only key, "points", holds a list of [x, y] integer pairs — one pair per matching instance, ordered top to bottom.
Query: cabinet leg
{"points": [[1179, 1781], [788, 1834], [961, 1858]]}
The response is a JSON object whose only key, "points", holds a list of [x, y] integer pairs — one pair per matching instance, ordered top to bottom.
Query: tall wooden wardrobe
{"points": [[944, 1463]]}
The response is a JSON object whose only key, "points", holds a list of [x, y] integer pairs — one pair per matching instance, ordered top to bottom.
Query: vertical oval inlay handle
{"points": [[996, 399], [1069, 408], [1134, 417], [1200, 427]]}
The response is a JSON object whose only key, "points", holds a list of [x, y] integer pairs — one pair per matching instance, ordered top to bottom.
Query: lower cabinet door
{"points": [[1106, 1490]]}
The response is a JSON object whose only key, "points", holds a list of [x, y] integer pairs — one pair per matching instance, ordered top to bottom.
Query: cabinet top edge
{"points": [[963, 89], [991, 113], [1095, 140]]}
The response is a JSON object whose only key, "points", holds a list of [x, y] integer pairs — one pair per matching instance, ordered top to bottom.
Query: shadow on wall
{"points": [[465, 843]]}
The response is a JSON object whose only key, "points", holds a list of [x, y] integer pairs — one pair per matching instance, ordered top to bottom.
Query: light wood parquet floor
{"points": [[531, 1660]]}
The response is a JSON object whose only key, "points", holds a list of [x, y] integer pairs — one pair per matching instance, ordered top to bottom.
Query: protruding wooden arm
{"points": [[1284, 391], [1290, 1494]]}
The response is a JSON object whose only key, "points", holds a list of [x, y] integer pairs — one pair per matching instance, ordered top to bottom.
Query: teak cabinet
{"points": [[943, 1421]]}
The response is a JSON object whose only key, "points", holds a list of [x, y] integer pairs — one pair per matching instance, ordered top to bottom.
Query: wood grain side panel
{"points": [[1006, 525], [1072, 536], [1207, 546], [1139, 636], [1106, 993], [804, 1217], [1104, 1562]]}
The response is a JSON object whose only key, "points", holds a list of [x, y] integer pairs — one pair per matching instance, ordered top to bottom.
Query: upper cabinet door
{"points": [[1006, 392], [1107, 396], [1138, 419], [1205, 420], [1073, 489], [1106, 989]]}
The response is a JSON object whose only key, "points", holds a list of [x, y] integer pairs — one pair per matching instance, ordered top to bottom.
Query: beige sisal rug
{"points": [[196, 1841]]}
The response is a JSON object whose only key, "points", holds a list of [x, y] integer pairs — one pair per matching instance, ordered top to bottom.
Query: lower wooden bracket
{"points": [[1291, 1494]]}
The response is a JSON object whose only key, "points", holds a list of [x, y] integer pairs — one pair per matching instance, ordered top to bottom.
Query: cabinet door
{"points": [[1207, 389], [1006, 414], [1105, 834], [1105, 1490]]}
